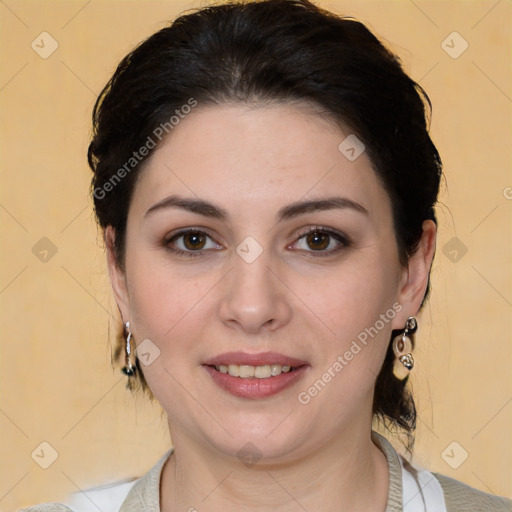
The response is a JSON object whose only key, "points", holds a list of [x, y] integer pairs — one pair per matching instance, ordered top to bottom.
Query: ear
{"points": [[117, 275], [414, 278]]}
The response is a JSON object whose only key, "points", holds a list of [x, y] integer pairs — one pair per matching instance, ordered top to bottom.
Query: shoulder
{"points": [[121, 495], [460, 497], [107, 498], [46, 507]]}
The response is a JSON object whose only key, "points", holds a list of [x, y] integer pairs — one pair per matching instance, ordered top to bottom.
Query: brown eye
{"points": [[318, 240], [194, 241], [321, 241], [191, 242]]}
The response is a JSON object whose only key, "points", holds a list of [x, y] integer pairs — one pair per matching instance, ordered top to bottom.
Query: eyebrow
{"points": [[329, 203], [199, 206], [290, 211]]}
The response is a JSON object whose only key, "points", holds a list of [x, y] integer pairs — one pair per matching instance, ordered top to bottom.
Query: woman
{"points": [[266, 184]]}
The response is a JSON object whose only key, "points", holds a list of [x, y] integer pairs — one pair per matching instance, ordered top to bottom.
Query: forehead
{"points": [[252, 156]]}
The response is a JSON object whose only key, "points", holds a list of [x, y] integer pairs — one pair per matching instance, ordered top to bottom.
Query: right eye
{"points": [[190, 242]]}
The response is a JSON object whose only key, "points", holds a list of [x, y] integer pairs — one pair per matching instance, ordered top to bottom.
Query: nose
{"points": [[254, 297]]}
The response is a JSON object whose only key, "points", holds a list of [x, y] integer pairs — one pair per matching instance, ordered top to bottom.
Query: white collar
{"points": [[409, 490], [421, 490]]}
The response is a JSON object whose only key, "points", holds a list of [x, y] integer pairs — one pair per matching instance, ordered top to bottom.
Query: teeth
{"points": [[275, 369], [234, 370], [245, 371], [262, 372]]}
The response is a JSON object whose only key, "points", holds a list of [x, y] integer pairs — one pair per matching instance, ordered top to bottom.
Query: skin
{"points": [[251, 162]]}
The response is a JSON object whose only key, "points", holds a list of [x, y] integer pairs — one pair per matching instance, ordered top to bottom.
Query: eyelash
{"points": [[342, 239], [179, 252]]}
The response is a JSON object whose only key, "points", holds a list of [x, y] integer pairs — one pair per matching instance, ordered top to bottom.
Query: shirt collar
{"points": [[145, 493]]}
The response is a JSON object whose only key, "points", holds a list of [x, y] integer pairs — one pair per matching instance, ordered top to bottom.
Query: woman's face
{"points": [[291, 250]]}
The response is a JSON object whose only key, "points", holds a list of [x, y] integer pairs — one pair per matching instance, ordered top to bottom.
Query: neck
{"points": [[348, 473]]}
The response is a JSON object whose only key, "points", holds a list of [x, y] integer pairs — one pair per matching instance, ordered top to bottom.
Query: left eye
{"points": [[320, 240]]}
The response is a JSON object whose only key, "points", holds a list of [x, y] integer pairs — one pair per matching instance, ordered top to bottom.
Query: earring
{"points": [[402, 347], [129, 368]]}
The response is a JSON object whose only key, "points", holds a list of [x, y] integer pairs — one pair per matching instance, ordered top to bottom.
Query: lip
{"points": [[260, 359], [254, 388]]}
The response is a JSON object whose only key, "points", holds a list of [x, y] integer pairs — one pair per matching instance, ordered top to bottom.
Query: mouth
{"points": [[245, 371], [255, 376]]}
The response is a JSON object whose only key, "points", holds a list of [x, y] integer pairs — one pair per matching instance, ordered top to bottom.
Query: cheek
{"points": [[352, 297], [162, 300], [355, 307], [169, 309], [358, 311]]}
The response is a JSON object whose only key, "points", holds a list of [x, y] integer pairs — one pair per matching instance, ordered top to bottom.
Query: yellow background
{"points": [[57, 385]]}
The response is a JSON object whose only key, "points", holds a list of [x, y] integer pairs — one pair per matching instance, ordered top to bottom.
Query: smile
{"points": [[245, 371], [255, 382]]}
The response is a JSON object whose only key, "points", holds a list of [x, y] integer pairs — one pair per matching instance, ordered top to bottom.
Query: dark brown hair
{"points": [[268, 51]]}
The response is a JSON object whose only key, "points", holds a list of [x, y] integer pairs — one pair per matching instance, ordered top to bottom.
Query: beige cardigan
{"points": [[144, 495]]}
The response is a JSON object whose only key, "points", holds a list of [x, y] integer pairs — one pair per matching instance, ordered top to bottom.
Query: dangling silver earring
{"points": [[402, 347], [129, 369]]}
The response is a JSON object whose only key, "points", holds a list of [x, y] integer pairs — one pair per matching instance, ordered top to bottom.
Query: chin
{"points": [[265, 442]]}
